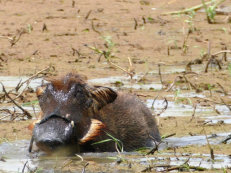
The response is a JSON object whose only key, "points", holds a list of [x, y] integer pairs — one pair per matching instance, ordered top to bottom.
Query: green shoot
{"points": [[211, 10], [189, 21], [34, 102], [118, 143]]}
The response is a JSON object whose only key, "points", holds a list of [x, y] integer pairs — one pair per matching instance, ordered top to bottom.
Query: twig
{"points": [[73, 4], [194, 8], [88, 14], [136, 24], [93, 27], [44, 28], [14, 40], [185, 46], [209, 48], [75, 51], [222, 51], [224, 57], [212, 60], [127, 71], [160, 75], [30, 78], [174, 82], [190, 83], [20, 84], [222, 88], [206, 99], [153, 103], [226, 104], [165, 108], [214, 108], [23, 110], [194, 111], [8, 113], [13, 114], [168, 136], [224, 141], [31, 144], [209, 146], [155, 148], [79, 157], [68, 162], [182, 166], [84, 168], [23, 169], [148, 169]]}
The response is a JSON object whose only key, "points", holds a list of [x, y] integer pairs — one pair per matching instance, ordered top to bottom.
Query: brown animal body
{"points": [[77, 114]]}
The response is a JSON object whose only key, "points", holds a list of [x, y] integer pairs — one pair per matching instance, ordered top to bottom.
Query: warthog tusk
{"points": [[72, 124], [94, 130]]}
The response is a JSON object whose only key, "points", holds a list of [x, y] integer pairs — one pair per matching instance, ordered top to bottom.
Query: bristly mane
{"points": [[64, 83]]}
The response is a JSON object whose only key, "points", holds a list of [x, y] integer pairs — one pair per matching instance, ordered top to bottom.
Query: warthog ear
{"points": [[103, 96]]}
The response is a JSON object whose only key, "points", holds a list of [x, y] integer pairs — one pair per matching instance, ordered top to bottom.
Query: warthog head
{"points": [[67, 105]]}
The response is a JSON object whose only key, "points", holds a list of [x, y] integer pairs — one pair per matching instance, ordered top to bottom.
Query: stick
{"points": [[194, 8], [88, 14], [136, 24], [93, 27], [222, 51], [160, 75], [30, 78], [174, 82], [225, 93], [210, 100], [226, 104], [23, 110], [194, 111], [167, 136], [224, 141], [31, 143], [209, 146], [23, 169], [83, 171]]}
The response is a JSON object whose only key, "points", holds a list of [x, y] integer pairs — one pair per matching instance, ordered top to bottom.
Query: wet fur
{"points": [[122, 115], [130, 121]]}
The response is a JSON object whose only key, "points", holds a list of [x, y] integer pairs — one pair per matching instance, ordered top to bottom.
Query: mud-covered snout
{"points": [[53, 132]]}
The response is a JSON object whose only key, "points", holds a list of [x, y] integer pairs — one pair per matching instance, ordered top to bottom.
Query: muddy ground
{"points": [[72, 36]]}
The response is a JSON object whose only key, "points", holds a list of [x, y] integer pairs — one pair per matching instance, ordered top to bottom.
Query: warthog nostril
{"points": [[51, 143]]}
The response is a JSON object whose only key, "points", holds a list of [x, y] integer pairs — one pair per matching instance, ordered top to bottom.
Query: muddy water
{"points": [[126, 82], [175, 109], [16, 153]]}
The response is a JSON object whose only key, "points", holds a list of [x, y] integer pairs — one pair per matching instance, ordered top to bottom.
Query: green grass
{"points": [[118, 143]]}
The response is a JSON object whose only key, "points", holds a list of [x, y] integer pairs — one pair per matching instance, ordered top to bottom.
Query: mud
{"points": [[69, 36]]}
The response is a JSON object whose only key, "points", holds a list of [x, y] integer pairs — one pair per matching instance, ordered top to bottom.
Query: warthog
{"points": [[77, 114]]}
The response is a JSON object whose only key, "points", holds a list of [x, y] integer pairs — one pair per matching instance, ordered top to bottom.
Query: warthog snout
{"points": [[53, 131]]}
